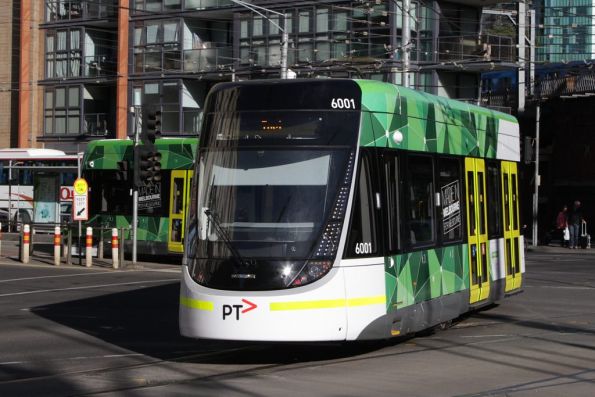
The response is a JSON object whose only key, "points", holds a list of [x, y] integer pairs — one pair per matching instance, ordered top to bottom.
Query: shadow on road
{"points": [[146, 321]]}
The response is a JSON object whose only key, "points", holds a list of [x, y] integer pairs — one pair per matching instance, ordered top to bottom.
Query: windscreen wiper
{"points": [[222, 233]]}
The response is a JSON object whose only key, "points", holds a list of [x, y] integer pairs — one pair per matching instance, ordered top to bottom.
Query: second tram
{"points": [[347, 210]]}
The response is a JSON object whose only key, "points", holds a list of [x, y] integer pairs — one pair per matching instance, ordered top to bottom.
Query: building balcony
{"points": [[140, 6], [67, 10], [483, 48], [207, 59], [173, 61], [581, 84], [96, 124]]}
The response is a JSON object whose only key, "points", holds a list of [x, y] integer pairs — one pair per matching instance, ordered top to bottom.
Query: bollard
{"points": [[0, 238], [26, 241], [57, 243], [100, 244], [89, 246], [115, 246], [69, 250]]}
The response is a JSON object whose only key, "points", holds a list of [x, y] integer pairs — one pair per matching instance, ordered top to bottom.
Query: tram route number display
{"points": [[149, 196], [451, 206]]}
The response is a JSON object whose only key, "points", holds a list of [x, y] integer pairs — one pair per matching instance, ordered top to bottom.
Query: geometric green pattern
{"points": [[427, 123], [176, 153], [423, 275]]}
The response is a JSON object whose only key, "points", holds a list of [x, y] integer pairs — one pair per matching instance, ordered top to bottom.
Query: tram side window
{"points": [[420, 201], [494, 201], [451, 214], [362, 230]]}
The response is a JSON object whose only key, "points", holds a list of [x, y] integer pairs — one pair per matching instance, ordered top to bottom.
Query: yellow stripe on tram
{"points": [[328, 303], [196, 304]]}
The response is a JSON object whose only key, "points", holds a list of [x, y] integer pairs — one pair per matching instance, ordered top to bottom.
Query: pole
{"points": [[533, 21], [405, 41], [284, 49], [521, 56], [137, 120], [536, 176], [57, 243], [25, 246], [89, 247], [115, 247]]}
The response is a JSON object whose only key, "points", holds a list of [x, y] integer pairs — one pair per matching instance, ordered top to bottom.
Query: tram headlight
{"points": [[312, 272]]}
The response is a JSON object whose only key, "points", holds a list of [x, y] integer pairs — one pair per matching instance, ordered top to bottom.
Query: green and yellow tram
{"points": [[107, 166], [347, 209]]}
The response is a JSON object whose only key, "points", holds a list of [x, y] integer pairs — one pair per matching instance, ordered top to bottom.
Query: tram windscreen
{"points": [[269, 203]]}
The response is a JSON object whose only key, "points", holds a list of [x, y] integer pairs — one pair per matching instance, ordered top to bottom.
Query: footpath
{"points": [[42, 254]]}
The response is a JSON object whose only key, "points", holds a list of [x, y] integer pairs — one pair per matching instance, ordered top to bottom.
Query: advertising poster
{"points": [[45, 197]]}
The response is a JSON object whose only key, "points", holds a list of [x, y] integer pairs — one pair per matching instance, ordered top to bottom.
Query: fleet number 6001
{"points": [[343, 103]]}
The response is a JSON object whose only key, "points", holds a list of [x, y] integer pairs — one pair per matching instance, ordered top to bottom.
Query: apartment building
{"points": [[100, 58]]}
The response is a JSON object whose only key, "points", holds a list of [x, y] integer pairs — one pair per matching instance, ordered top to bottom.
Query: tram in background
{"points": [[107, 166], [19, 171], [347, 210]]}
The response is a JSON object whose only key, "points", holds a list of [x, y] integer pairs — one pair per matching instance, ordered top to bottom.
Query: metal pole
{"points": [[405, 41], [284, 49], [532, 53], [521, 56], [137, 120], [536, 176], [10, 196], [79, 242]]}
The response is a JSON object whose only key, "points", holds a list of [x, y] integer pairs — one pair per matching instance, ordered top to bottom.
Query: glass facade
{"points": [[566, 30], [181, 48]]}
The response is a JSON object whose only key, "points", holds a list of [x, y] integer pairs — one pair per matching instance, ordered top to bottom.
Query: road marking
{"points": [[63, 275], [89, 287], [80, 358]]}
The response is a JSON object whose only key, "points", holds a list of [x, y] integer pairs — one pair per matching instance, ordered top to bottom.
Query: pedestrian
{"points": [[575, 218], [562, 226]]}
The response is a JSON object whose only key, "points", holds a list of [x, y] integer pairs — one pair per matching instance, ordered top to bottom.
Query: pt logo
{"points": [[229, 310]]}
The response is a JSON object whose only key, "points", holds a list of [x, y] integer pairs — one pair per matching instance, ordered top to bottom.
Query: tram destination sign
{"points": [[149, 196]]}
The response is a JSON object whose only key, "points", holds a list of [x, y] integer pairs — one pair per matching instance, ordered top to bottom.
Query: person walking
{"points": [[574, 224], [562, 226]]}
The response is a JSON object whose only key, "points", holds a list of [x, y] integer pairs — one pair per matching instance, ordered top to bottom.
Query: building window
{"points": [[157, 47], [63, 53], [62, 111]]}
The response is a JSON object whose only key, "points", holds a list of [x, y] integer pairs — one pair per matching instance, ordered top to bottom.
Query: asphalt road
{"points": [[97, 332]]}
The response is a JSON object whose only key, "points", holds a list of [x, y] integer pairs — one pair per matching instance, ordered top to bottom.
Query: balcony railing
{"points": [[61, 10], [476, 48], [207, 59], [98, 66], [580, 84], [96, 124]]}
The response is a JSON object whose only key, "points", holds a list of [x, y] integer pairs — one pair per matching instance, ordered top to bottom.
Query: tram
{"points": [[108, 167], [338, 209]]}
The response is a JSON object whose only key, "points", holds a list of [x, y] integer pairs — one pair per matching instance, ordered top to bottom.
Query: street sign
{"points": [[80, 204]]}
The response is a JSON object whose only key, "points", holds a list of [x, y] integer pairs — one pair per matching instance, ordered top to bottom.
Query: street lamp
{"points": [[285, 37]]}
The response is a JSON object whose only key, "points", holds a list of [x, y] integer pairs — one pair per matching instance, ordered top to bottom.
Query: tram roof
{"points": [[35, 154]]}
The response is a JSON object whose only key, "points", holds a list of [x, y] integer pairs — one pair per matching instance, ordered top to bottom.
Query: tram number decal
{"points": [[343, 103], [363, 248], [230, 310]]}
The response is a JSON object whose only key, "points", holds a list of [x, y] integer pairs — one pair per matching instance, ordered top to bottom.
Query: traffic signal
{"points": [[152, 127], [147, 165], [122, 173]]}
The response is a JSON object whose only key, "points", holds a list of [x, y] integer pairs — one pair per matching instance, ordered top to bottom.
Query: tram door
{"points": [[181, 180], [511, 225], [477, 230]]}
